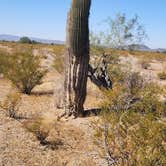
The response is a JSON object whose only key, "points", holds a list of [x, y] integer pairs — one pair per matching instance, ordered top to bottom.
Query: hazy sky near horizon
{"points": [[47, 18]]}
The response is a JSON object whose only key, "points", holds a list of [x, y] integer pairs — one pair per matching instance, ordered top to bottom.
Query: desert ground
{"points": [[73, 138]]}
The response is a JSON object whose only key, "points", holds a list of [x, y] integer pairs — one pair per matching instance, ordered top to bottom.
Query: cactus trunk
{"points": [[77, 57]]}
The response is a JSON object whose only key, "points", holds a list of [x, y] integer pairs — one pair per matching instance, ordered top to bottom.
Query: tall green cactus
{"points": [[77, 57]]}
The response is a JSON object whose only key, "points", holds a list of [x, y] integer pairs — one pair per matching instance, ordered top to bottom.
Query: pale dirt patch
{"points": [[6, 48], [150, 73], [20, 147]]}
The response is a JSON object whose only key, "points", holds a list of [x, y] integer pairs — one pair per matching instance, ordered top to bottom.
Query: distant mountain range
{"points": [[17, 38], [136, 47], [141, 47]]}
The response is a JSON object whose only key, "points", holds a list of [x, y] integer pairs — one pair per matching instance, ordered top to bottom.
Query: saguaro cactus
{"points": [[77, 57]]}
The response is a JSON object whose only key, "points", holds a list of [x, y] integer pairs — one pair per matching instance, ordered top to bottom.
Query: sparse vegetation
{"points": [[58, 64], [145, 64], [23, 69], [162, 75], [91, 100], [11, 105], [133, 106], [129, 111], [132, 124], [41, 130], [133, 138]]}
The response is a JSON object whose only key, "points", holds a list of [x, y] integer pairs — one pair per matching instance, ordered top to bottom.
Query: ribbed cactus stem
{"points": [[77, 29], [77, 57]]}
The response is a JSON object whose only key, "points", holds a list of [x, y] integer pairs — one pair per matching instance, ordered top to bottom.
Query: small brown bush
{"points": [[145, 64], [162, 75], [11, 104], [41, 129], [38, 130]]}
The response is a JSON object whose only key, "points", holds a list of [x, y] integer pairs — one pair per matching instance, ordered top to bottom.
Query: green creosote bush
{"points": [[22, 69], [150, 100], [135, 128], [134, 138]]}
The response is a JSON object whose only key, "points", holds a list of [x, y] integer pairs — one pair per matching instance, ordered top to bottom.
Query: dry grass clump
{"points": [[58, 49], [140, 54], [149, 55], [144, 63], [58, 64], [162, 75], [59, 95], [11, 105], [41, 128]]}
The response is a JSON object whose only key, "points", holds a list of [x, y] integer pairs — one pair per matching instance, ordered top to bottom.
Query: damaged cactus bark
{"points": [[77, 57], [77, 68]]}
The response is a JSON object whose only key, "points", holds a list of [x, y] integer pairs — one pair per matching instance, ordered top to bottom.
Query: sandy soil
{"points": [[19, 147]]}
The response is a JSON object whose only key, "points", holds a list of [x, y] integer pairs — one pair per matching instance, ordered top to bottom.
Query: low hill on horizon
{"points": [[40, 40], [135, 47]]}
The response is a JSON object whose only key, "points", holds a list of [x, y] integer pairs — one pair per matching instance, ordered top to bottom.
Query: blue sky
{"points": [[47, 18]]}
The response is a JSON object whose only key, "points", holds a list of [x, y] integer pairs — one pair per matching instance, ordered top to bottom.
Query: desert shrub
{"points": [[113, 58], [144, 63], [23, 69], [116, 72], [162, 75], [134, 82], [124, 94], [144, 98], [115, 99], [149, 100], [11, 104], [41, 129], [38, 130], [131, 130], [133, 138]]}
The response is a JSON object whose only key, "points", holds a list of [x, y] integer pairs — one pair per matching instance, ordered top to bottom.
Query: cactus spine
{"points": [[77, 57]]}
